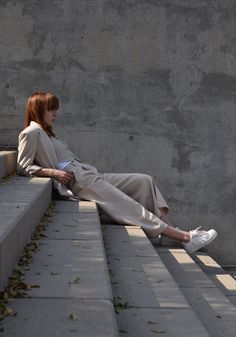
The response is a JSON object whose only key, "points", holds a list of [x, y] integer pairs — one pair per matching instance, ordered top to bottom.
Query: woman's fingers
{"points": [[67, 177]]}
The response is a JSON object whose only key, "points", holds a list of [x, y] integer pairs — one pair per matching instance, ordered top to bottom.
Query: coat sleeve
{"points": [[26, 153]]}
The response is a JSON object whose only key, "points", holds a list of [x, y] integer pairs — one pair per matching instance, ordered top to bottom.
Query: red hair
{"points": [[37, 105]]}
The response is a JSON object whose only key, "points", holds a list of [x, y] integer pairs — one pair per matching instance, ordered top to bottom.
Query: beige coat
{"points": [[35, 150], [130, 198]]}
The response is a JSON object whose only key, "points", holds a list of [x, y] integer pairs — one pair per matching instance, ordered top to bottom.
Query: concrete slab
{"points": [[7, 163], [23, 180], [25, 193], [77, 206], [9, 211], [18, 220], [78, 226], [127, 240], [117, 241], [140, 241], [70, 249], [70, 269], [185, 271], [156, 272], [217, 274], [228, 282], [141, 283], [163, 285], [131, 286], [212, 307], [212, 310], [224, 310], [61, 318], [152, 322]]}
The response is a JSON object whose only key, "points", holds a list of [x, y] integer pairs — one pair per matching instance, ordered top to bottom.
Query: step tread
{"points": [[7, 162], [23, 200], [70, 270], [216, 273], [143, 283], [212, 306], [44, 317]]}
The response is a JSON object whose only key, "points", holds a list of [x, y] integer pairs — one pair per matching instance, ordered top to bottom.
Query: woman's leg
{"points": [[90, 185], [140, 187], [122, 208], [126, 210], [164, 215], [176, 234]]}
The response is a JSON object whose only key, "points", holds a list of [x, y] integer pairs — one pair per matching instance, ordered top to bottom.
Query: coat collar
{"points": [[35, 124]]}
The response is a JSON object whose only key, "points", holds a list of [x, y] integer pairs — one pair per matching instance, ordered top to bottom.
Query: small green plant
{"points": [[7, 179], [119, 304]]}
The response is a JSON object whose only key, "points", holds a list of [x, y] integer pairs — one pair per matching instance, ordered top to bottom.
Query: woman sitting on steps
{"points": [[129, 199]]}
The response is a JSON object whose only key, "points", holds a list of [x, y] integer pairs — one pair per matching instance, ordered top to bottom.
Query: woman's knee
{"points": [[146, 178]]}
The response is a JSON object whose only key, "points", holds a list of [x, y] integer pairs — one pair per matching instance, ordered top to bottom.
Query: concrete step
{"points": [[7, 162], [22, 203], [219, 276], [73, 296], [154, 298], [210, 300]]}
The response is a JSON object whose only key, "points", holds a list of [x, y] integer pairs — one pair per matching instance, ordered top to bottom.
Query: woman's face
{"points": [[50, 117]]}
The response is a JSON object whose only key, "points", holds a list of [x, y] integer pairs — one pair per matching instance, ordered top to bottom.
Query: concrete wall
{"points": [[145, 85]]}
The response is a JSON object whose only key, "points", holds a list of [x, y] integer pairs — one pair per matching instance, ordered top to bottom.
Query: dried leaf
{"points": [[76, 281], [34, 286], [8, 311], [73, 317], [158, 331]]}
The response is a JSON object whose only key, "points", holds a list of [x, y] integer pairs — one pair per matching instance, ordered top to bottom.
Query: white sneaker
{"points": [[199, 239]]}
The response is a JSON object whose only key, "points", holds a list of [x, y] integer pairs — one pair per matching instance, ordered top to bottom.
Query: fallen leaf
{"points": [[77, 280], [73, 317], [158, 331]]}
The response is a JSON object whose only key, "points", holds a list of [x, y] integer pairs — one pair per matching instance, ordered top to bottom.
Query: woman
{"points": [[131, 199]]}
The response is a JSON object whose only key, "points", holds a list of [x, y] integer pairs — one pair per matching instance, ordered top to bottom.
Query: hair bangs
{"points": [[52, 102]]}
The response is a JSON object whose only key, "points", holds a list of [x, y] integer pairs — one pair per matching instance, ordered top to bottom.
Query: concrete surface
{"points": [[145, 86], [7, 163], [22, 203], [62, 261], [70, 271], [223, 279], [155, 290], [163, 290], [211, 304], [44, 317]]}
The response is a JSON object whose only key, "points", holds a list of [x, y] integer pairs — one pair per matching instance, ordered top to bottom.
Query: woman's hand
{"points": [[64, 177]]}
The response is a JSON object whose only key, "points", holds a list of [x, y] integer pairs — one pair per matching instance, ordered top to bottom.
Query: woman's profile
{"points": [[128, 198]]}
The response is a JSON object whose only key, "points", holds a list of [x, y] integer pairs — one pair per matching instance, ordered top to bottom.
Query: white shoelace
{"points": [[199, 234]]}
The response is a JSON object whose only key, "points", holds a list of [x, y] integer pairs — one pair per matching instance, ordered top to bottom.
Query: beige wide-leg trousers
{"points": [[130, 199]]}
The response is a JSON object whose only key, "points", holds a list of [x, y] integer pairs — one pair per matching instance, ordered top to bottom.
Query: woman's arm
{"points": [[26, 153], [26, 160], [64, 177]]}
